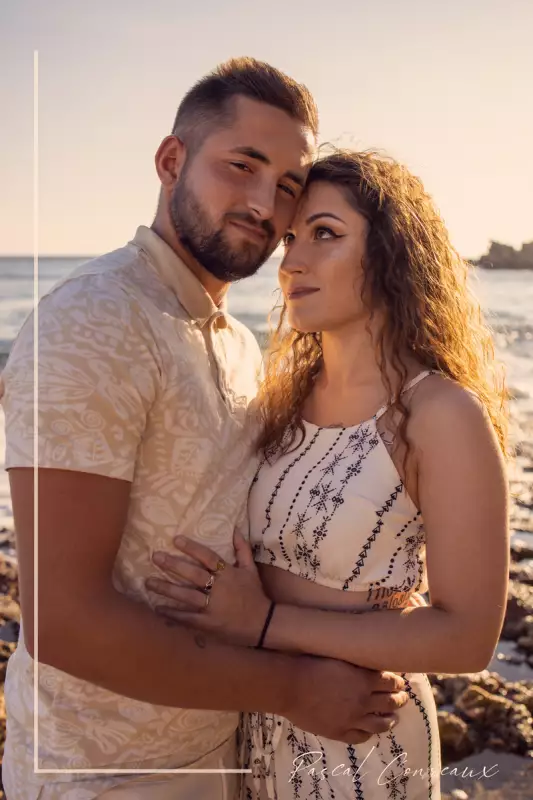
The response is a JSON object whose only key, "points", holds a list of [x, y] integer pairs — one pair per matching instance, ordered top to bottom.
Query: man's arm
{"points": [[88, 629], [91, 631]]}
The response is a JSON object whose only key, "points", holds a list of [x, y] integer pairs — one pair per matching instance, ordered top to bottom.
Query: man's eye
{"points": [[241, 166], [287, 189]]}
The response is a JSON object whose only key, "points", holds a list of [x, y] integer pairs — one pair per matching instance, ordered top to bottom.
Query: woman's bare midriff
{"points": [[285, 587]]}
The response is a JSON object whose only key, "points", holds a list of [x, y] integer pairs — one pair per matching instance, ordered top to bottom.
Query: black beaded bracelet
{"points": [[259, 645]]}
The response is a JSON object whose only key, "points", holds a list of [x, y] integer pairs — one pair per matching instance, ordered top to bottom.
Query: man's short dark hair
{"points": [[208, 105]]}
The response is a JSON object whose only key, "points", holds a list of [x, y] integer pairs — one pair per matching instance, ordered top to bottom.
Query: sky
{"points": [[443, 87]]}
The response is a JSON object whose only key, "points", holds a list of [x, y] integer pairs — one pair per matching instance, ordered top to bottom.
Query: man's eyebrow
{"points": [[251, 152], [314, 217]]}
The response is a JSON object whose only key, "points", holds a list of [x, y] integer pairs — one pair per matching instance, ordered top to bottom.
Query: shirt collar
{"points": [[177, 276]]}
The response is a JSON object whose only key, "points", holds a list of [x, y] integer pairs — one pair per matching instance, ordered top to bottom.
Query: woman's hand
{"points": [[212, 596]]}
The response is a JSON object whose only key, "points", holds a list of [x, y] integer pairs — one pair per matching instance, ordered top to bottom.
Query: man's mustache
{"points": [[265, 226]]}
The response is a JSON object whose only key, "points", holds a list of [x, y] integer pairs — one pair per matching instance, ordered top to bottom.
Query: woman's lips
{"points": [[296, 294]]}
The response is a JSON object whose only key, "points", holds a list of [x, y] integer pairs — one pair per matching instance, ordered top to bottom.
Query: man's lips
{"points": [[258, 233], [303, 291]]}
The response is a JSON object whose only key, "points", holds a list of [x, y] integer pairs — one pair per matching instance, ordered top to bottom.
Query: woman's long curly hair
{"points": [[412, 273]]}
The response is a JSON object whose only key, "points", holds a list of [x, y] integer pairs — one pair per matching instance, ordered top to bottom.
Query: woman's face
{"points": [[321, 274]]}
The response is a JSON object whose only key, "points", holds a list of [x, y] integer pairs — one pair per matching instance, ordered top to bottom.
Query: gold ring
{"points": [[221, 564], [209, 584]]}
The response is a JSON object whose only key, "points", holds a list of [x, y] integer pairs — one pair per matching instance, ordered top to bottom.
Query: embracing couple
{"points": [[232, 556]]}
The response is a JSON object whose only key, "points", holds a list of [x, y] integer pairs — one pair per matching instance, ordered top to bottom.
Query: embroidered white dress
{"points": [[335, 511]]}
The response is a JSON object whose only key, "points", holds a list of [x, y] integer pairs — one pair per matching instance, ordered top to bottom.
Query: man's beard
{"points": [[209, 246]]}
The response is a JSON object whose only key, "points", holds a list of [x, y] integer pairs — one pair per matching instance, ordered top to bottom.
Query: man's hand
{"points": [[342, 702]]}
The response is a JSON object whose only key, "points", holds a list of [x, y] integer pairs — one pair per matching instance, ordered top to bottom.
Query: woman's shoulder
{"points": [[442, 410]]}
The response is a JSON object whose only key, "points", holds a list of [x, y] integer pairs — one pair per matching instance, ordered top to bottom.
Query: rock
{"points": [[503, 256], [7, 537], [521, 550], [522, 573], [8, 577], [519, 606], [9, 610], [526, 643], [6, 649], [521, 693], [438, 696], [2, 719], [498, 719], [456, 741]]}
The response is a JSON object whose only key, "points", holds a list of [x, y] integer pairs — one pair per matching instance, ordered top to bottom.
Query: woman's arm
{"points": [[462, 491]]}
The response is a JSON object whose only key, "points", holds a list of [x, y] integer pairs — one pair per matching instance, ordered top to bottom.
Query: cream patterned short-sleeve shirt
{"points": [[142, 378]]}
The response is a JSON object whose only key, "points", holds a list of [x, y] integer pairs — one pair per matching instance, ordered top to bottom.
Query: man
{"points": [[144, 383]]}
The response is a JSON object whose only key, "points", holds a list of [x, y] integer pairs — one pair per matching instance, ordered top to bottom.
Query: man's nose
{"points": [[262, 201]]}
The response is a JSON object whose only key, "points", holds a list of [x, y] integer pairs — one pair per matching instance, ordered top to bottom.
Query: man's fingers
{"points": [[243, 551], [207, 557], [175, 566], [189, 598], [180, 615], [388, 682], [382, 703], [373, 723]]}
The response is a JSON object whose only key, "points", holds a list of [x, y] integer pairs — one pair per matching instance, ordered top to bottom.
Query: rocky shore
{"points": [[503, 256], [485, 719]]}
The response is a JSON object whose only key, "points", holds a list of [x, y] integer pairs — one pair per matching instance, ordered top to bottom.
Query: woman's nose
{"points": [[292, 263]]}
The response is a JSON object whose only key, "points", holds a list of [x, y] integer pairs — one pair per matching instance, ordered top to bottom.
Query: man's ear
{"points": [[169, 161]]}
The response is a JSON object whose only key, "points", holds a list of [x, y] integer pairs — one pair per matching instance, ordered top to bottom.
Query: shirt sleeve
{"points": [[97, 378]]}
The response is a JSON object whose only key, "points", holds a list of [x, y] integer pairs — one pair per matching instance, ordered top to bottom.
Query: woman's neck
{"points": [[350, 358]]}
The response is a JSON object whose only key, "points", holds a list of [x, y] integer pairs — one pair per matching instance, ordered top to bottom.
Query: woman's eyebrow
{"points": [[314, 217]]}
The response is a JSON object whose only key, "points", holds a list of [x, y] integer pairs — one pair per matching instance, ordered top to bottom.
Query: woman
{"points": [[383, 475]]}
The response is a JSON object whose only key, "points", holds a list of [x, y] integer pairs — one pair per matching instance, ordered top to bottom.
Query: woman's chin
{"points": [[302, 325]]}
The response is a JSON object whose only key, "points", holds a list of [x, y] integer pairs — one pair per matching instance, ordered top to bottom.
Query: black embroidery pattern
{"points": [[273, 496], [324, 499], [386, 507], [413, 563], [412, 694], [393, 776], [358, 786]]}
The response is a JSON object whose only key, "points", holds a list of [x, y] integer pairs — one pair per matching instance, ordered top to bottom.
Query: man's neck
{"points": [[215, 288]]}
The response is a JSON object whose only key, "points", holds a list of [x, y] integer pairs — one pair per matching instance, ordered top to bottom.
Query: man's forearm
{"points": [[124, 647]]}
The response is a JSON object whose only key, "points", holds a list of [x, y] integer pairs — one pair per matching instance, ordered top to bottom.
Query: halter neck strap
{"points": [[410, 385]]}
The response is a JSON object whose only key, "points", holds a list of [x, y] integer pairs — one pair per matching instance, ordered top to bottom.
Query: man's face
{"points": [[235, 198]]}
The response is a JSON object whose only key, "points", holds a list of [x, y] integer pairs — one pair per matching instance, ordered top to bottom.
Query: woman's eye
{"points": [[329, 234]]}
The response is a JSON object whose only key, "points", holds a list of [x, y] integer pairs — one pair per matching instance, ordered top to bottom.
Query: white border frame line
{"points": [[35, 409], [36, 488]]}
